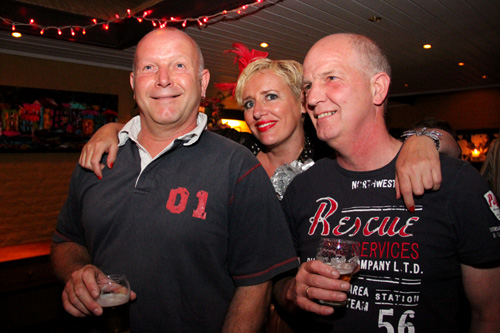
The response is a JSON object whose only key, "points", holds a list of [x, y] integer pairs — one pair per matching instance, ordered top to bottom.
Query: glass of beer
{"points": [[343, 255], [114, 299]]}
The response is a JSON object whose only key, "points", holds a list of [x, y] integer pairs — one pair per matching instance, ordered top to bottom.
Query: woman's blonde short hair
{"points": [[289, 70]]}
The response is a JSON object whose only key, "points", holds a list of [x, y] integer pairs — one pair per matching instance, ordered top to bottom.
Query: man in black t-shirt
{"points": [[416, 265]]}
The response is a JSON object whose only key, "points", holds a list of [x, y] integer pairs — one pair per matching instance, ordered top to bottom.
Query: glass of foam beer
{"points": [[343, 255], [114, 299]]}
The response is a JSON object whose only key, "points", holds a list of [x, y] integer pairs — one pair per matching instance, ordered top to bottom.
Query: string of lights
{"points": [[145, 16]]}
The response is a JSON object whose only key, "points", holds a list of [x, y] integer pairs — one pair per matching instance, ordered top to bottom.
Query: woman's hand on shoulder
{"points": [[105, 140], [418, 168]]}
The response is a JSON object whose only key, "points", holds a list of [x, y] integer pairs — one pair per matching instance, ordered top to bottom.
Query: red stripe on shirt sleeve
{"points": [[248, 172], [239, 277]]}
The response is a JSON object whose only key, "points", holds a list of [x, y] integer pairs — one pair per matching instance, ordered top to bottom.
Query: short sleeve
{"points": [[260, 245]]}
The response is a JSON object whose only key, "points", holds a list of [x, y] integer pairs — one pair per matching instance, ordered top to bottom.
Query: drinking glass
{"points": [[341, 254], [114, 299]]}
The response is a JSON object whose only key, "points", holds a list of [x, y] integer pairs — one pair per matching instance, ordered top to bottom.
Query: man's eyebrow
{"points": [[328, 72], [322, 74]]}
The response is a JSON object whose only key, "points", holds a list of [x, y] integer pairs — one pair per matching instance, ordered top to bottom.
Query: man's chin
{"points": [[325, 137]]}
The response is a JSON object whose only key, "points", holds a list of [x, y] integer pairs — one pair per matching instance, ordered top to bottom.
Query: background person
{"points": [[448, 138], [490, 169], [187, 215], [416, 267]]}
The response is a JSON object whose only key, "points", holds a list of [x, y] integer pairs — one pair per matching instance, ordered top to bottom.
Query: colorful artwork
{"points": [[50, 120]]}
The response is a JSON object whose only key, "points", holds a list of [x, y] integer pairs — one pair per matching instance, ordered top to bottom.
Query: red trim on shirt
{"points": [[248, 172], [242, 177], [63, 237], [265, 271]]}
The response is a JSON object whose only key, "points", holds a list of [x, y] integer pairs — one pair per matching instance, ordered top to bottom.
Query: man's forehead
{"points": [[162, 37], [329, 45], [178, 46], [326, 60], [321, 66]]}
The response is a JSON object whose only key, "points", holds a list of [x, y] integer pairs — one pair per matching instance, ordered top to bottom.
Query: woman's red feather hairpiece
{"points": [[243, 57]]}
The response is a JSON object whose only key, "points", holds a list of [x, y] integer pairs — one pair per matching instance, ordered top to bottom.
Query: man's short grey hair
{"points": [[373, 58]]}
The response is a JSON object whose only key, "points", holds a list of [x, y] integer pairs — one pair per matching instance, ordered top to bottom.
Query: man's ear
{"points": [[205, 78], [132, 80], [380, 83], [303, 106]]}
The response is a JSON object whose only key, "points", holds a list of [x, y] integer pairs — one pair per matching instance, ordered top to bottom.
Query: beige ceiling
{"points": [[465, 31]]}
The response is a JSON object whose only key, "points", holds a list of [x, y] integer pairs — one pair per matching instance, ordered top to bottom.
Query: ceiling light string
{"points": [[156, 22]]}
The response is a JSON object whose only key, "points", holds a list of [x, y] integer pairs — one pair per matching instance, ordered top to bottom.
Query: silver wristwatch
{"points": [[434, 135]]}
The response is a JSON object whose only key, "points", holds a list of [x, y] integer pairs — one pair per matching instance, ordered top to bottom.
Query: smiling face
{"points": [[167, 82], [338, 91], [272, 112]]}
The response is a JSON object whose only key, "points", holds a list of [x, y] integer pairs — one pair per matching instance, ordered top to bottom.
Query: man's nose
{"points": [[163, 78], [314, 95]]}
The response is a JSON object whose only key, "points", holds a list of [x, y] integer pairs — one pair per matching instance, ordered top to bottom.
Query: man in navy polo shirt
{"points": [[188, 216]]}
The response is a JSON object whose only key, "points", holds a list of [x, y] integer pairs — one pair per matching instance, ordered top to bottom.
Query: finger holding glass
{"points": [[343, 255], [316, 280]]}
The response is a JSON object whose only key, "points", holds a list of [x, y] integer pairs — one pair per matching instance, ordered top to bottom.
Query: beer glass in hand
{"points": [[341, 254], [114, 299]]}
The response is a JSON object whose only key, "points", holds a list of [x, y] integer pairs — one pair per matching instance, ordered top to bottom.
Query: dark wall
{"points": [[49, 74], [470, 109], [34, 186], [33, 189]]}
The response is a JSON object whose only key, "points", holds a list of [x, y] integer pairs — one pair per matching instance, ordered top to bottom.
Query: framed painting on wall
{"points": [[40, 120]]}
